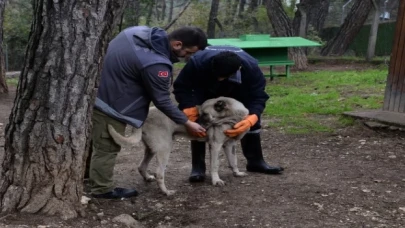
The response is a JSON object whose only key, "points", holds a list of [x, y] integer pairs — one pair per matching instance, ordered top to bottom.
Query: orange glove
{"points": [[191, 113], [242, 126]]}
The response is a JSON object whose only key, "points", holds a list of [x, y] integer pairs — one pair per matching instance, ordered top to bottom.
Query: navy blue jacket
{"points": [[137, 70], [195, 83]]}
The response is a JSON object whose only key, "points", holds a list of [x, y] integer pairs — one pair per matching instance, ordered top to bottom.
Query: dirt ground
{"points": [[354, 177]]}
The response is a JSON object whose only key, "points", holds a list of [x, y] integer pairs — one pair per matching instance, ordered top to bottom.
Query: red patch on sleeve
{"points": [[163, 74]]}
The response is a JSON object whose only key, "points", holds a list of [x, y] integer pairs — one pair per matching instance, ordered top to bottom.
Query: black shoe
{"points": [[252, 150], [197, 161], [263, 167], [196, 176], [117, 193]]}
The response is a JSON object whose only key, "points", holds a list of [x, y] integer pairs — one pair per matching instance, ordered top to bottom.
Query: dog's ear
{"points": [[220, 105]]}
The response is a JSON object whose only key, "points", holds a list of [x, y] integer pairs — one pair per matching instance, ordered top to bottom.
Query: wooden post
{"points": [[394, 98]]}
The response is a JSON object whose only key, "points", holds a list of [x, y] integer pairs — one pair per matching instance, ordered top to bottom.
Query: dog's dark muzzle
{"points": [[203, 120]]}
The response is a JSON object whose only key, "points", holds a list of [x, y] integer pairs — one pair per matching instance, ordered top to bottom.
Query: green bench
{"points": [[269, 51], [272, 64]]}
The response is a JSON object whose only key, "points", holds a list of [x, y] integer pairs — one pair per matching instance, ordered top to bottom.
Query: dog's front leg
{"points": [[215, 148], [230, 152]]}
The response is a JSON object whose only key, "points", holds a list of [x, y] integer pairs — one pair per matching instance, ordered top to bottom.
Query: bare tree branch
{"points": [[166, 27]]}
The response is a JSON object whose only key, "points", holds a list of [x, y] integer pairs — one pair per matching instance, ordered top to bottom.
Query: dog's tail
{"points": [[131, 140]]}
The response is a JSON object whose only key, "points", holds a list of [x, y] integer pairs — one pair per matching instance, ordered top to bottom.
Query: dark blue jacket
{"points": [[137, 70], [195, 83]]}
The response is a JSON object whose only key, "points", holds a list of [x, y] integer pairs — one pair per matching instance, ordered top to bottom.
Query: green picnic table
{"points": [[269, 51]]}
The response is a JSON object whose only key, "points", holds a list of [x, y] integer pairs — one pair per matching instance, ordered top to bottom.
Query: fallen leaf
{"points": [[84, 200], [320, 206], [354, 209]]}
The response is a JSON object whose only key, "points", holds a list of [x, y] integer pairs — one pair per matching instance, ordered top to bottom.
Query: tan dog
{"points": [[158, 131]]}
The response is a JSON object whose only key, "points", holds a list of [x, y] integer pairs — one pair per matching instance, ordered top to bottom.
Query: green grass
{"points": [[179, 65], [12, 81], [314, 101]]}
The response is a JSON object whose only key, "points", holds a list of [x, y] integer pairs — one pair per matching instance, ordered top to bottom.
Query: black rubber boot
{"points": [[252, 150], [197, 161], [117, 193]]}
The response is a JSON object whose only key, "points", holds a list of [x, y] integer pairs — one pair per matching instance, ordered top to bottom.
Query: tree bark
{"points": [[171, 6], [252, 9], [157, 11], [231, 11], [241, 11], [137, 12], [150, 12], [310, 12], [317, 14], [163, 15], [301, 18], [211, 19], [121, 22], [282, 27], [349, 29], [373, 33], [3, 83], [48, 134]]}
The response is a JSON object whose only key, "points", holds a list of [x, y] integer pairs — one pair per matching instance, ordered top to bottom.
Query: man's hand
{"points": [[191, 113], [242, 126], [195, 129]]}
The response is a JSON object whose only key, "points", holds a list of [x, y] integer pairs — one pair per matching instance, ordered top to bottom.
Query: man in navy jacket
{"points": [[137, 70], [225, 71]]}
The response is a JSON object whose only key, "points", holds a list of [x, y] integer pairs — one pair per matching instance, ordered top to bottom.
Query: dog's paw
{"points": [[240, 174], [149, 178], [218, 182], [170, 192]]}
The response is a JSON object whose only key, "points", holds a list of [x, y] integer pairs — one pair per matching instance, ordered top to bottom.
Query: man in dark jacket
{"points": [[137, 70], [225, 71]]}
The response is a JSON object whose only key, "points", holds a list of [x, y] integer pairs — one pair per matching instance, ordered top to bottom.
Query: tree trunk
{"points": [[171, 6], [252, 9], [231, 10], [157, 11], [241, 11], [137, 12], [150, 12], [312, 12], [317, 14], [163, 15], [211, 19], [121, 22], [302, 23], [282, 27], [349, 29], [373, 33], [3, 84], [48, 134]]}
